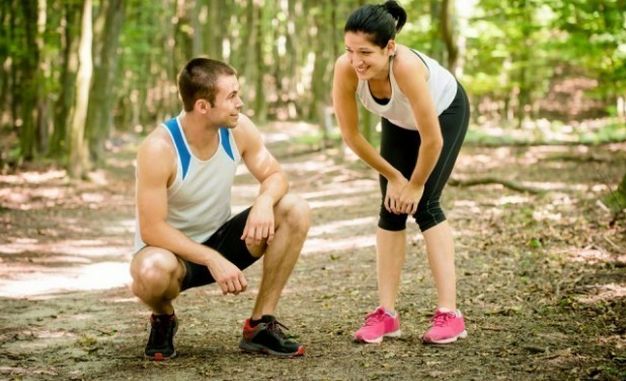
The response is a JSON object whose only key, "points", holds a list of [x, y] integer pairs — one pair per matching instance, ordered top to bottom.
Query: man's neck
{"points": [[200, 136]]}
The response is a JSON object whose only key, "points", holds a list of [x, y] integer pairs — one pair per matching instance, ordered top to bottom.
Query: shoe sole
{"points": [[461, 335], [379, 339], [256, 348], [159, 357]]}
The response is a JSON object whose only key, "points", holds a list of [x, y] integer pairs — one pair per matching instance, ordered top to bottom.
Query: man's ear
{"points": [[202, 106]]}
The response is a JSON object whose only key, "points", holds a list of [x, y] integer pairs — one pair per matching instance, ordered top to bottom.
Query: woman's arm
{"points": [[411, 75], [344, 102]]}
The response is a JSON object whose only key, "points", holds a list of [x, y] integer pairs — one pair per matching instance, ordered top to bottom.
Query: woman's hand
{"points": [[393, 194], [410, 197]]}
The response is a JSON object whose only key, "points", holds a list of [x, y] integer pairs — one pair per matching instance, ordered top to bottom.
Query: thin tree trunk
{"points": [[198, 21], [446, 25], [213, 46], [436, 50], [524, 62], [28, 85], [6, 99], [65, 100], [259, 101], [98, 124], [42, 131], [78, 156]]}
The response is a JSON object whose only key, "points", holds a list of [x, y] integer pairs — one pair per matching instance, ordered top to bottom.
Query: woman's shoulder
{"points": [[407, 61], [342, 64], [344, 73]]}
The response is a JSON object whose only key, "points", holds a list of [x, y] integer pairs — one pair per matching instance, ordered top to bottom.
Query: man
{"points": [[184, 239]]}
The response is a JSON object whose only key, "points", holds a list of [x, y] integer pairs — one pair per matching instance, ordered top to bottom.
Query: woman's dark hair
{"points": [[381, 22]]}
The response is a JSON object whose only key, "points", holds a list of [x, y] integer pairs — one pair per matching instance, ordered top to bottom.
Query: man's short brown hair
{"points": [[198, 80]]}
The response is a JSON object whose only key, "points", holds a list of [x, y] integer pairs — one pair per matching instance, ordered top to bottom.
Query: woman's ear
{"points": [[391, 48]]}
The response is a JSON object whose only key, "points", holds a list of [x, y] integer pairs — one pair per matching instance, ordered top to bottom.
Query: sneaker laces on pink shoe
{"points": [[375, 317], [440, 318]]}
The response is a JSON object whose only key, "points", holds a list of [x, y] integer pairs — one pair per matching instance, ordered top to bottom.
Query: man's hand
{"points": [[260, 223], [230, 279]]}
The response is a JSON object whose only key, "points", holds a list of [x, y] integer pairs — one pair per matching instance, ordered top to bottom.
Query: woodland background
{"points": [[75, 72], [537, 199]]}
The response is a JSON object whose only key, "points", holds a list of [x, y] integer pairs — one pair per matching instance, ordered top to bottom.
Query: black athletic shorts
{"points": [[400, 147], [227, 241]]}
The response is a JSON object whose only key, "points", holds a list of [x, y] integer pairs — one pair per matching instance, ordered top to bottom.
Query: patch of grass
{"points": [[548, 133]]}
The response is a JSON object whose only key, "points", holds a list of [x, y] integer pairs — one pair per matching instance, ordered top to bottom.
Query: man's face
{"points": [[227, 105]]}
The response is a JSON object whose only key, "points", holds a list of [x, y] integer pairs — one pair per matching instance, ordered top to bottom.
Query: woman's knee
{"points": [[429, 217], [390, 221]]}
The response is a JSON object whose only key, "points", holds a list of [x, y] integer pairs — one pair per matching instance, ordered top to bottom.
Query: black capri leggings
{"points": [[400, 147]]}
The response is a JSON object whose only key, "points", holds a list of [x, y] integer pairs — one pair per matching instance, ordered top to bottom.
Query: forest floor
{"points": [[541, 276]]}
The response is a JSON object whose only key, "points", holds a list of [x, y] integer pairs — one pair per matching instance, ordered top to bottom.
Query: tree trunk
{"points": [[436, 12], [447, 32], [213, 43], [244, 58], [524, 62], [26, 96], [6, 99], [65, 100], [259, 101], [42, 124], [98, 124], [78, 156]]}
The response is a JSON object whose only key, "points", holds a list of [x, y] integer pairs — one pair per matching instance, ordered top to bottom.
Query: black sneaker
{"points": [[267, 337], [161, 342]]}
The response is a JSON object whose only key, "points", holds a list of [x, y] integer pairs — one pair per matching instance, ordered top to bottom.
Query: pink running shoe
{"points": [[377, 325], [447, 327]]}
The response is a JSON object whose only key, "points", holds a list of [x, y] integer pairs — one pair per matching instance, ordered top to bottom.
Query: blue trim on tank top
{"points": [[225, 139], [179, 141]]}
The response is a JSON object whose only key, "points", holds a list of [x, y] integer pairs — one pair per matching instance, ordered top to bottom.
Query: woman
{"points": [[425, 114]]}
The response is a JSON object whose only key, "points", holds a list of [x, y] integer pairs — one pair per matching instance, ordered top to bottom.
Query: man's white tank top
{"points": [[441, 84], [198, 201]]}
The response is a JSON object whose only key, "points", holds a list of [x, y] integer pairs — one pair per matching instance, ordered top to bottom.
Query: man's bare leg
{"points": [[292, 225], [156, 274]]}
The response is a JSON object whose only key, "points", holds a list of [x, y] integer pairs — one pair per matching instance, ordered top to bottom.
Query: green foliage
{"points": [[513, 54], [544, 132], [616, 199]]}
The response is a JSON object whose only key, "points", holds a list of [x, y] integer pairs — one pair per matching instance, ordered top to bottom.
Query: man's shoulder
{"points": [[157, 141]]}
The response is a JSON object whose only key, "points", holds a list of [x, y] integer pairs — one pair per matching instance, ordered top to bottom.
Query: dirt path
{"points": [[542, 278]]}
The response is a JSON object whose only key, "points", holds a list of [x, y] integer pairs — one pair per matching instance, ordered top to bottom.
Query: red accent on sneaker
{"points": [[377, 325], [447, 328], [248, 331], [300, 352]]}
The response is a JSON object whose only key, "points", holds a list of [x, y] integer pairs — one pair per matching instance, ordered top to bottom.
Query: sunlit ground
{"points": [[65, 267]]}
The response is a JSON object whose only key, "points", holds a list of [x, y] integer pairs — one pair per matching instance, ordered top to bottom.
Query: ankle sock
{"points": [[164, 316]]}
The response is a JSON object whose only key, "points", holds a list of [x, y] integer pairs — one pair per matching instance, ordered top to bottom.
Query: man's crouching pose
{"points": [[185, 237]]}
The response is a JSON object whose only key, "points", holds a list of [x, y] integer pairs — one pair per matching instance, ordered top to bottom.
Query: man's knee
{"points": [[294, 210], [153, 267]]}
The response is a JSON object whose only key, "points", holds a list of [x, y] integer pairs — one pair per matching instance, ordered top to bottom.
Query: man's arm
{"points": [[156, 164], [273, 181]]}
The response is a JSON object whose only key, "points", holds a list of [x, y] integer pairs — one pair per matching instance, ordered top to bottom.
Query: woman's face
{"points": [[367, 59]]}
